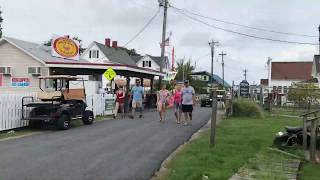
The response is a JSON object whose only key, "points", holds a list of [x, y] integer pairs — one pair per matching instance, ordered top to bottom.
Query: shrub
{"points": [[246, 108]]}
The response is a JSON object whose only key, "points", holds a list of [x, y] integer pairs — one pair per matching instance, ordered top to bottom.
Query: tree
{"points": [[1, 20], [76, 38], [131, 52], [184, 70], [304, 94]]}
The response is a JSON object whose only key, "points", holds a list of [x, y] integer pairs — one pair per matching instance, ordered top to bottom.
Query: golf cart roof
{"points": [[66, 77]]}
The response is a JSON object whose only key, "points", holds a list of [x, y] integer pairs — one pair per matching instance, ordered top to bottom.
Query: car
{"points": [[207, 100], [58, 104]]}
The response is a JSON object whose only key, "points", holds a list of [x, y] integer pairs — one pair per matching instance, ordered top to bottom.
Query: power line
{"points": [[245, 26], [143, 28], [243, 34]]}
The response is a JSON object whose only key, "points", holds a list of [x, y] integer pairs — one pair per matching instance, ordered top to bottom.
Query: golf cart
{"points": [[207, 101], [59, 104]]}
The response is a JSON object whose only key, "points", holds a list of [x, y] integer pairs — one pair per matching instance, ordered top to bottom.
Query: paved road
{"points": [[116, 149]]}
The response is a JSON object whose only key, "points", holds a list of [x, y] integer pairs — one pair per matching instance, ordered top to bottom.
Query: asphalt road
{"points": [[116, 150]]}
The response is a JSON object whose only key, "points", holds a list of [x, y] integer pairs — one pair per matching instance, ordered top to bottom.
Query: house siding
{"points": [[19, 61]]}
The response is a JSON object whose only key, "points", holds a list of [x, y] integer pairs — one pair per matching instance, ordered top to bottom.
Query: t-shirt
{"points": [[137, 93], [187, 95], [177, 97]]}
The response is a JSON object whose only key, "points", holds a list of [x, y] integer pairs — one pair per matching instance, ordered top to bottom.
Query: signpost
{"points": [[63, 47], [109, 74], [244, 89]]}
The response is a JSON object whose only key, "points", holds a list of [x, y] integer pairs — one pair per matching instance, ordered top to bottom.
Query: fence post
{"points": [[213, 118], [304, 135], [313, 145]]}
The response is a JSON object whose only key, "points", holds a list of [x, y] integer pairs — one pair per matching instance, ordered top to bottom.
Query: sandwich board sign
{"points": [[109, 74], [244, 88]]}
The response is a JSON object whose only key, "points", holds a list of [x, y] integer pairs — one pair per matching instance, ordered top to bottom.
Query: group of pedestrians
{"points": [[182, 99]]}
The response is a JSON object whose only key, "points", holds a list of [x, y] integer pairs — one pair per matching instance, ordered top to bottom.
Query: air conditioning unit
{"points": [[5, 70], [35, 71]]}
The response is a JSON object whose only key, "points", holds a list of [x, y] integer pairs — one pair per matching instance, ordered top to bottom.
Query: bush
{"points": [[246, 108]]}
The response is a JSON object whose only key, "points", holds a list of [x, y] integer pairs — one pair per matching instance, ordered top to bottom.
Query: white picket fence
{"points": [[11, 109]]}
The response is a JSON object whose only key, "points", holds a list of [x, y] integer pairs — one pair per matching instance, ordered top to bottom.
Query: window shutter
{"points": [[97, 53], [90, 54], [143, 63], [149, 63]]}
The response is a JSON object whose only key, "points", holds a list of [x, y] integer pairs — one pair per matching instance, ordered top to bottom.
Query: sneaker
{"points": [[114, 116], [140, 116], [131, 117], [185, 124]]}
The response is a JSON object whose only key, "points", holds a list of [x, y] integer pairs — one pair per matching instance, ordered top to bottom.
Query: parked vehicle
{"points": [[207, 101], [59, 104], [291, 136]]}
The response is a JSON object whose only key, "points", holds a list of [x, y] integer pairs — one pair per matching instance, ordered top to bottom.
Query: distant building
{"points": [[284, 74], [206, 77]]}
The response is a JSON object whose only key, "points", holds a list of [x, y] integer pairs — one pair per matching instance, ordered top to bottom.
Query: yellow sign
{"points": [[65, 47], [110, 74]]}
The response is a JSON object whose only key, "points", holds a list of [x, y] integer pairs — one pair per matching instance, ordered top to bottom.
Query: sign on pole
{"points": [[64, 47], [110, 74], [244, 88]]}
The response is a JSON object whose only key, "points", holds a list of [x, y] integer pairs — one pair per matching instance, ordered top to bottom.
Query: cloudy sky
{"points": [[37, 20]]}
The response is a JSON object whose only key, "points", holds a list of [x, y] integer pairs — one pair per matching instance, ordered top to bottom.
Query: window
{"points": [[93, 54], [146, 63], [34, 70], [205, 78], [274, 88], [279, 89], [285, 89]]}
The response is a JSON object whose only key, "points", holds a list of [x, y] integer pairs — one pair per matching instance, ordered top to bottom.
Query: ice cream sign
{"points": [[63, 47]]}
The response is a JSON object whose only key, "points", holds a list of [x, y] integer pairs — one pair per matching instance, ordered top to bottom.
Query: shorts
{"points": [[136, 104], [177, 107], [187, 108]]}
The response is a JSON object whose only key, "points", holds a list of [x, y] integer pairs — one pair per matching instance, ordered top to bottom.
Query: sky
{"points": [[120, 20]]}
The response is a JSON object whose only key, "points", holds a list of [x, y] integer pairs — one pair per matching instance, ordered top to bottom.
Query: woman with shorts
{"points": [[177, 95], [162, 98]]}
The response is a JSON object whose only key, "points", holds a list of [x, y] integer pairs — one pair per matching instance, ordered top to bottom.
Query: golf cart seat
{"points": [[74, 94], [49, 96], [293, 129]]}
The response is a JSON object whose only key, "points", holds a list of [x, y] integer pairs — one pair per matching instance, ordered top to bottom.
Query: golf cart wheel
{"points": [[88, 118], [63, 122], [280, 141]]}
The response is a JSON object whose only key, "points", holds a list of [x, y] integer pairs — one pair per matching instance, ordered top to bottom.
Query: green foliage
{"points": [[1, 20], [184, 68], [304, 95], [246, 108]]}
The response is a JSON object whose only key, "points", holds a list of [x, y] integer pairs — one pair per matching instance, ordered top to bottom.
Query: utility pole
{"points": [[164, 31], [319, 38], [212, 44], [222, 55], [245, 74]]}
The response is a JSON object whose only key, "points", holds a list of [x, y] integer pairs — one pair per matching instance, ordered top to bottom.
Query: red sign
{"points": [[1, 76], [20, 82]]}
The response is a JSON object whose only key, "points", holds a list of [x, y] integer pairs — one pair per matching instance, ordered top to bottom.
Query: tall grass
{"points": [[246, 108]]}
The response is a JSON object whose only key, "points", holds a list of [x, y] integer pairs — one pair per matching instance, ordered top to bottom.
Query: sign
{"points": [[63, 47], [110, 74], [170, 76], [1, 79], [20, 82], [244, 88], [109, 104]]}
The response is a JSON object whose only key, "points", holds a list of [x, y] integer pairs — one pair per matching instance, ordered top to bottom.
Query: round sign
{"points": [[66, 47]]}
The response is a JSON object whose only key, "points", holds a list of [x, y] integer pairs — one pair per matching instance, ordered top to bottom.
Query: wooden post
{"points": [[213, 118], [305, 138], [313, 141]]}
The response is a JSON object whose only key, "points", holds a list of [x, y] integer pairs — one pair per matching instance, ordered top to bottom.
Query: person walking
{"points": [[177, 96], [120, 97], [137, 98], [162, 101], [188, 101]]}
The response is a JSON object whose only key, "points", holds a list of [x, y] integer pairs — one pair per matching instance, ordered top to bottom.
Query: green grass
{"points": [[237, 141], [310, 171]]}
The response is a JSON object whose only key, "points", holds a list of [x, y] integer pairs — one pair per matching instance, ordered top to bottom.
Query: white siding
{"points": [[102, 58], [19, 61]]}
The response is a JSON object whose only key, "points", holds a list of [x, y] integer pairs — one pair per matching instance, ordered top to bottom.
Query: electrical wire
{"points": [[245, 26], [143, 28], [243, 34]]}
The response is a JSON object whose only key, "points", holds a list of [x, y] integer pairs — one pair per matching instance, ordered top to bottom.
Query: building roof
{"points": [[38, 51], [116, 55], [136, 58], [291, 70], [201, 73], [219, 80]]}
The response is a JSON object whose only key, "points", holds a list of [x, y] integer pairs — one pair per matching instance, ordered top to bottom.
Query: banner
{"points": [[63, 47], [20, 82]]}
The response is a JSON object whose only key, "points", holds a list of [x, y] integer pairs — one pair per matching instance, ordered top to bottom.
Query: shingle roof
{"points": [[39, 51], [116, 55], [136, 58], [158, 59], [291, 70], [201, 73], [219, 80]]}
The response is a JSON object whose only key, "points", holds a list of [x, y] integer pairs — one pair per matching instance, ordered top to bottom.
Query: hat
{"points": [[186, 81]]}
